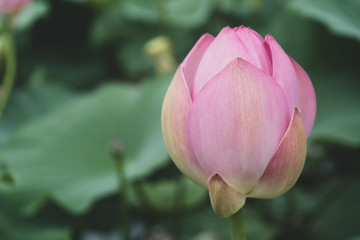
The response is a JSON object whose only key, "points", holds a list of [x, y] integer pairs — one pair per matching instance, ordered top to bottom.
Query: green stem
{"points": [[162, 11], [10, 70], [123, 185], [237, 225]]}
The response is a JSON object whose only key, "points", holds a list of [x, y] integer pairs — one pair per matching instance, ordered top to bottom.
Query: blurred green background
{"points": [[92, 72]]}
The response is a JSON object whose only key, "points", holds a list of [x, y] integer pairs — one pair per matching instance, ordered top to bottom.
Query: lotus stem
{"points": [[118, 156], [237, 225]]}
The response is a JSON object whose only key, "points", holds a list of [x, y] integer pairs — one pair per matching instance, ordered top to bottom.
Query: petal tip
{"points": [[226, 30], [207, 35], [269, 37]]}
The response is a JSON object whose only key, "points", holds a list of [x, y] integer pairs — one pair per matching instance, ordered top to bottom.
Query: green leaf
{"points": [[240, 8], [177, 13], [340, 16], [122, 19], [133, 59], [31, 102], [338, 112], [66, 154], [168, 195], [340, 220], [207, 223], [15, 227], [256, 228], [357, 237]]}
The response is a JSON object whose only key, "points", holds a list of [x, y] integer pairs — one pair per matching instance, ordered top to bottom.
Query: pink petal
{"points": [[257, 47], [225, 48], [192, 60], [284, 73], [307, 99], [174, 116], [236, 123], [287, 163]]}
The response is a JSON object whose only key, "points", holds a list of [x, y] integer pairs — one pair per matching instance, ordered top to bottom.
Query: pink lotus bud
{"points": [[9, 7], [236, 116]]}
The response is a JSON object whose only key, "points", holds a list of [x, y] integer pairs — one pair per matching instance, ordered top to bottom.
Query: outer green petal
{"points": [[287, 163], [225, 199]]}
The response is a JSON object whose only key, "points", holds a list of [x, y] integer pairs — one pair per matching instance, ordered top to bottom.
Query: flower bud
{"points": [[10, 7], [236, 116]]}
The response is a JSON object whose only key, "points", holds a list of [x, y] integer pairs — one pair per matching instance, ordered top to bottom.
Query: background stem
{"points": [[118, 155], [123, 201], [237, 225]]}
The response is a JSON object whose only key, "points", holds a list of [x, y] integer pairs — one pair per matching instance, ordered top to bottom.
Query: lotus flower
{"points": [[9, 7], [236, 117]]}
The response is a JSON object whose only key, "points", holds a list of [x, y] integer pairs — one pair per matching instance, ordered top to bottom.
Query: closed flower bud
{"points": [[236, 116]]}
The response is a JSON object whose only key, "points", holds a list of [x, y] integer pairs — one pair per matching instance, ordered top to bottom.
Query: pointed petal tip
{"points": [[244, 28], [226, 30], [207, 37], [269, 37], [191, 63], [284, 73], [225, 199]]}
